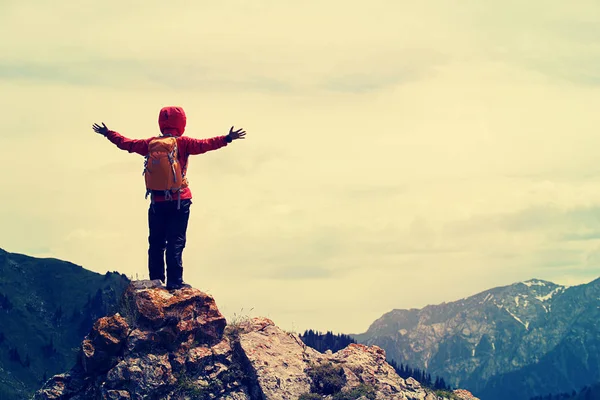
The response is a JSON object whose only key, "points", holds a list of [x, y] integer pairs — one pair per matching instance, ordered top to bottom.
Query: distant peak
{"points": [[538, 282]]}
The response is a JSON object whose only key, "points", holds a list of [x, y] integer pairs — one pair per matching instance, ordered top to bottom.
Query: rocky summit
{"points": [[177, 345]]}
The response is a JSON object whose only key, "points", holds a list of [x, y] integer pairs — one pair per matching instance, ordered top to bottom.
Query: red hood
{"points": [[172, 120]]}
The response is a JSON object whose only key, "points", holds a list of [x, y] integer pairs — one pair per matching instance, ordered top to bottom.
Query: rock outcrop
{"points": [[177, 345], [464, 394]]}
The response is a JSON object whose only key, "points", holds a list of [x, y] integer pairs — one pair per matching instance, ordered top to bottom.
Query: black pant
{"points": [[168, 227]]}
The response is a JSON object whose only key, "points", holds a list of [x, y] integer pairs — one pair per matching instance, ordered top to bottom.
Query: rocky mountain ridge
{"points": [[46, 307], [518, 341], [177, 345]]}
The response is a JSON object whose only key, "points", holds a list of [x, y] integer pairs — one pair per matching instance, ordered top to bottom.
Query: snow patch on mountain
{"points": [[534, 282], [550, 295], [525, 324]]}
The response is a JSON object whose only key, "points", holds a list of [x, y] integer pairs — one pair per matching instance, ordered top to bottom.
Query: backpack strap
{"points": [[146, 158], [172, 161], [149, 192]]}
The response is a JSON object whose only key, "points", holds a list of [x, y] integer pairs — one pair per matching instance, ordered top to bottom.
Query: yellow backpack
{"points": [[162, 170]]}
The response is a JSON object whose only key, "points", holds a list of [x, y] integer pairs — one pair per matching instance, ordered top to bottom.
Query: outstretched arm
{"points": [[139, 146], [199, 146]]}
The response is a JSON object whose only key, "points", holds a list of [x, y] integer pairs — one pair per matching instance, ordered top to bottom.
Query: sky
{"points": [[398, 153]]}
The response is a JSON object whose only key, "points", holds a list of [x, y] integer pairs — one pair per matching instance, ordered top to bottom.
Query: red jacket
{"points": [[186, 145]]}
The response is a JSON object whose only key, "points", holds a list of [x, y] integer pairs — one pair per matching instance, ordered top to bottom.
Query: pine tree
{"points": [[5, 303], [58, 315], [326, 341], [49, 350], [14, 355], [428, 380], [443, 384]]}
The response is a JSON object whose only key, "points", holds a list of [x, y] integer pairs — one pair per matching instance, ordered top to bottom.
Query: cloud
{"points": [[543, 37], [191, 47], [376, 69], [366, 71], [133, 74], [401, 152], [540, 218], [589, 235], [301, 272]]}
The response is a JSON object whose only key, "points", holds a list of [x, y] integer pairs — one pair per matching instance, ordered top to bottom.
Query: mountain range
{"points": [[47, 306], [527, 339], [521, 341]]}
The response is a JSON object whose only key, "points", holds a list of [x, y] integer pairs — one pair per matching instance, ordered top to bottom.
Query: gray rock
{"points": [[146, 284], [277, 359], [280, 361], [142, 376], [116, 395], [237, 395]]}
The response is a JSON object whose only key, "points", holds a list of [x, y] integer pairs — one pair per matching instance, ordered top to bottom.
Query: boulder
{"points": [[176, 316], [100, 348]]}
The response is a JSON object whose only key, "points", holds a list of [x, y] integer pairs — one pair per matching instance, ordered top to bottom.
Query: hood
{"points": [[172, 120]]}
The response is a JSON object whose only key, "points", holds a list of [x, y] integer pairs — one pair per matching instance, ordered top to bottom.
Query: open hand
{"points": [[103, 130], [239, 134]]}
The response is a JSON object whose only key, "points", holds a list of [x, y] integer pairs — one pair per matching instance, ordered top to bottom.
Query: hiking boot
{"points": [[177, 285]]}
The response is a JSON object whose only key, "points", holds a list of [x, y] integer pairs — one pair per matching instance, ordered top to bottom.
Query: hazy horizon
{"points": [[397, 154]]}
